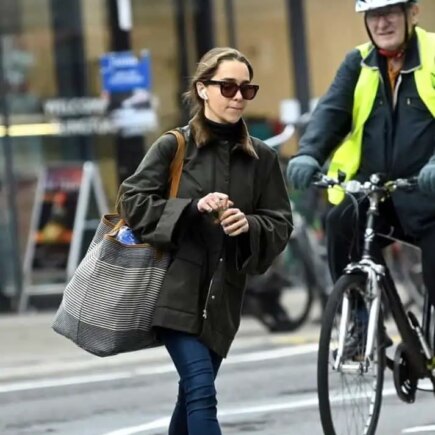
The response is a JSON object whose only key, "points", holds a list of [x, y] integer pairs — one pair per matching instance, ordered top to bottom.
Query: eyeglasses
{"points": [[229, 89]]}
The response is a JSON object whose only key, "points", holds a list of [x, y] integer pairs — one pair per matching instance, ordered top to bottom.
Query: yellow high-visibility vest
{"points": [[347, 157]]}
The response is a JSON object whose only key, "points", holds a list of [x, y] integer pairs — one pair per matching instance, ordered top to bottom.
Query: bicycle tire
{"points": [[296, 318], [428, 323], [337, 410]]}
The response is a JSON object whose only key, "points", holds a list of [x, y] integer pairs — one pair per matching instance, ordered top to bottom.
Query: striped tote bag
{"points": [[108, 305]]}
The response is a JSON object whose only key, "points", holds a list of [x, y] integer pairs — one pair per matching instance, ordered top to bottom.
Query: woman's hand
{"points": [[214, 202], [234, 222]]}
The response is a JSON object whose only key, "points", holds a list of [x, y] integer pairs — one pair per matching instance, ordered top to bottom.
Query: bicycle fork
{"points": [[374, 294]]}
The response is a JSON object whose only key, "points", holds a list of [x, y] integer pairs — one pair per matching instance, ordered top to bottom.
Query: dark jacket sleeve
{"points": [[331, 120], [143, 197], [270, 224]]}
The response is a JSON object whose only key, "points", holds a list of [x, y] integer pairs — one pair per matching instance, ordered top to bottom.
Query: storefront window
{"points": [[154, 30], [50, 57], [58, 112], [61, 113]]}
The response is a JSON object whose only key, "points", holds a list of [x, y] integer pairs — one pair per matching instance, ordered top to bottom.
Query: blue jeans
{"points": [[195, 412]]}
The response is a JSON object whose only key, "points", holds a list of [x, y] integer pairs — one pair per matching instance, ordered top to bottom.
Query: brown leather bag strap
{"points": [[176, 167], [175, 170]]}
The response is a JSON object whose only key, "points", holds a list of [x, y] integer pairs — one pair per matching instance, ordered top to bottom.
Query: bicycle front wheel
{"points": [[350, 393]]}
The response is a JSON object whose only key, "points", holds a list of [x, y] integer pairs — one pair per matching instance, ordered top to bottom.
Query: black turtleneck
{"points": [[226, 132], [230, 132]]}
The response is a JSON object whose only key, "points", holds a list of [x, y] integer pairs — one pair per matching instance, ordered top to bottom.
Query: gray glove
{"points": [[300, 171], [426, 177]]}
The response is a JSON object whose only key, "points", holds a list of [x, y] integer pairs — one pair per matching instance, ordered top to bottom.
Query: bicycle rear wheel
{"points": [[297, 299], [350, 396]]}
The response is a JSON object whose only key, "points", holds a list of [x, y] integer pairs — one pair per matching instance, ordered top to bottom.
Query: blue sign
{"points": [[124, 72]]}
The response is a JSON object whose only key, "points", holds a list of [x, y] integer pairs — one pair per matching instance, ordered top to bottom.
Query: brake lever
{"points": [[321, 180], [407, 184]]}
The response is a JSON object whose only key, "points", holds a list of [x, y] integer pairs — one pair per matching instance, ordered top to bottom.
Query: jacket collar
{"points": [[412, 57], [202, 135]]}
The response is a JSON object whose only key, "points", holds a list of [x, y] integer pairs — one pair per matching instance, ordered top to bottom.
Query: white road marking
{"points": [[282, 352], [252, 357], [40, 366], [61, 382], [162, 423], [420, 429]]}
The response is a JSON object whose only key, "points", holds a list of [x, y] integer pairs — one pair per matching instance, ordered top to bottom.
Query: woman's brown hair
{"points": [[206, 69]]}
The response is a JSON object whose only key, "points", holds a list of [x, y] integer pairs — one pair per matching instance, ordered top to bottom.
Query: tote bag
{"points": [[108, 305]]}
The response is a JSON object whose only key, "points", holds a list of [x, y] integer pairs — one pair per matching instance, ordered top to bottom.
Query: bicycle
{"points": [[308, 271], [283, 297], [350, 384]]}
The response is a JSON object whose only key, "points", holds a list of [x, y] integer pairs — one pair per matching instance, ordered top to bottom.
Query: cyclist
{"points": [[378, 117]]}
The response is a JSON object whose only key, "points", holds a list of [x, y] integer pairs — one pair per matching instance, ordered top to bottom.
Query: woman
{"points": [[231, 217]]}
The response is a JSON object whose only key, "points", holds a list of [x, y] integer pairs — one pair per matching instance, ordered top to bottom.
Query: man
{"points": [[378, 117]]}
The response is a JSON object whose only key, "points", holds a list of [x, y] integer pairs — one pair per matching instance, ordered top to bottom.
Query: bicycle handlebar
{"points": [[374, 184]]}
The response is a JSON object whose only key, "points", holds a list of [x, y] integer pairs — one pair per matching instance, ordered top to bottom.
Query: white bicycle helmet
{"points": [[368, 5]]}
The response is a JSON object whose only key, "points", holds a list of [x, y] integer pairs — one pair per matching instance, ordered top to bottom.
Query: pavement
{"points": [[30, 348]]}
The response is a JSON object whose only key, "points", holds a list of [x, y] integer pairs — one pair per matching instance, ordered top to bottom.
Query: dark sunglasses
{"points": [[229, 89]]}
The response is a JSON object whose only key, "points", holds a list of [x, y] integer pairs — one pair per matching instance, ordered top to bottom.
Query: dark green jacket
{"points": [[398, 140], [203, 288]]}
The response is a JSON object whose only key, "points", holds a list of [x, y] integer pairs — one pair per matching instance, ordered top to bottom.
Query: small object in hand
{"points": [[218, 213], [125, 235]]}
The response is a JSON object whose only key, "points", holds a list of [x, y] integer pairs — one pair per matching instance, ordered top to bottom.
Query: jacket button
{"points": [[213, 297]]}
